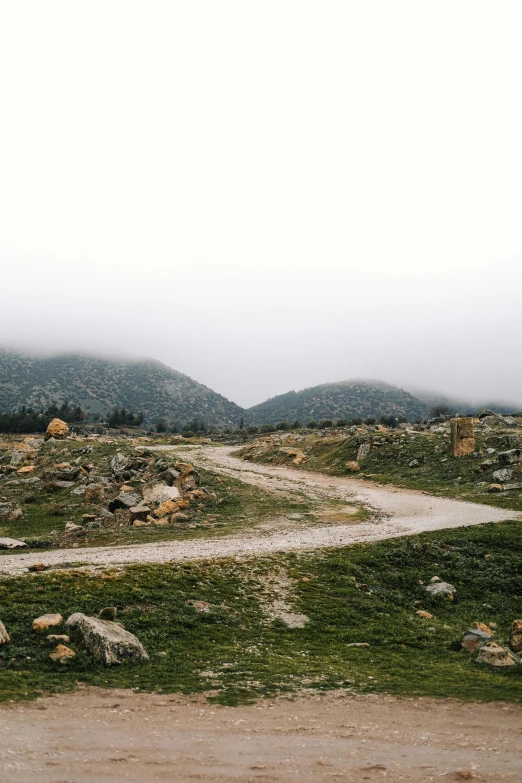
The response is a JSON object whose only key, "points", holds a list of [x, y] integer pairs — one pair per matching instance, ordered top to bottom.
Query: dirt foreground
{"points": [[94, 736]]}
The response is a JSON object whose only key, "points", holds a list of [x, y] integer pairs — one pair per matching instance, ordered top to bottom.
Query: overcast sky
{"points": [[267, 195]]}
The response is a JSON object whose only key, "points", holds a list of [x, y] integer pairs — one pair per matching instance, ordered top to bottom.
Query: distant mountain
{"points": [[98, 385], [346, 399], [433, 399]]}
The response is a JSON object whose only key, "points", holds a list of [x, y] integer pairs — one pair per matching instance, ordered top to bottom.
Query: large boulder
{"points": [[57, 429], [462, 436], [119, 464], [160, 493], [125, 500], [11, 543], [441, 588], [515, 637], [473, 639], [106, 641], [496, 655]]}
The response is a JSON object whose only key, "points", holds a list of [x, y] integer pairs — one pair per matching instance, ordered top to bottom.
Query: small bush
{"points": [[370, 420], [325, 423], [296, 425], [312, 425], [282, 426]]}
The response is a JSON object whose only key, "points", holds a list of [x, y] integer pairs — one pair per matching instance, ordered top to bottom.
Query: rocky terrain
{"points": [[99, 385], [343, 400]]}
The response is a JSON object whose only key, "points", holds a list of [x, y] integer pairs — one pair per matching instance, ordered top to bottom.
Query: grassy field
{"points": [[437, 472], [236, 651]]}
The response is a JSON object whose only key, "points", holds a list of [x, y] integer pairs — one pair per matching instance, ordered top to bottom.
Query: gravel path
{"points": [[397, 512]]}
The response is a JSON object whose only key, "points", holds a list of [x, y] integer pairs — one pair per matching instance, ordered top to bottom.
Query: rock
{"points": [[57, 429], [462, 436], [364, 450], [510, 457], [17, 458], [298, 460], [414, 463], [119, 464], [352, 466], [26, 469], [66, 472], [503, 475], [171, 476], [188, 478], [512, 487], [495, 488], [79, 491], [94, 493], [160, 493], [125, 500], [164, 509], [10, 511], [139, 512], [105, 513], [179, 517], [141, 523], [71, 527], [11, 543], [37, 567], [435, 579], [441, 588], [108, 613], [424, 614], [47, 621], [485, 628], [4, 636], [515, 637], [58, 638], [473, 639], [106, 641], [358, 644], [62, 654], [495, 655]]}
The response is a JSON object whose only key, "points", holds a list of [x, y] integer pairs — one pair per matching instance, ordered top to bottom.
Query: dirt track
{"points": [[397, 512], [96, 736]]}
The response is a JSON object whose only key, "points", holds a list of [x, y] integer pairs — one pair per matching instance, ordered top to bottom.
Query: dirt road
{"points": [[396, 512], [96, 736]]}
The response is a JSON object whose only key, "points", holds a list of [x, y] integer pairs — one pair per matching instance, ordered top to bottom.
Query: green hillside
{"points": [[98, 385], [345, 399]]}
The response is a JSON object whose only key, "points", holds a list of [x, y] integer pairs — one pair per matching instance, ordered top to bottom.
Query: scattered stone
{"points": [[57, 429], [462, 436], [364, 450], [510, 457], [17, 458], [414, 463], [119, 464], [352, 466], [26, 469], [503, 475], [171, 476], [495, 488], [94, 493], [160, 493], [125, 500], [164, 509], [10, 511], [139, 512], [141, 523], [71, 527], [11, 543], [37, 567], [435, 579], [441, 588], [108, 613], [424, 614], [47, 621], [484, 627], [4, 636], [515, 637], [58, 638], [472, 640], [107, 641], [358, 644], [62, 654], [496, 655]]}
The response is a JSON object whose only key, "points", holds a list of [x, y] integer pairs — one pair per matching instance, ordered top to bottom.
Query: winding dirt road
{"points": [[395, 512]]}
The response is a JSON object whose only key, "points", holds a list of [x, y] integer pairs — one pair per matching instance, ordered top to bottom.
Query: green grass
{"points": [[365, 593]]}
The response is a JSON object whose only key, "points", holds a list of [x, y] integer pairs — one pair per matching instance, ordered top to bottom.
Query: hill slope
{"points": [[98, 385], [345, 399]]}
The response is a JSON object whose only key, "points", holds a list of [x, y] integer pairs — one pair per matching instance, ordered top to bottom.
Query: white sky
{"points": [[267, 195]]}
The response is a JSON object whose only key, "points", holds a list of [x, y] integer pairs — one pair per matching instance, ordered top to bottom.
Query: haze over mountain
{"points": [[99, 384]]}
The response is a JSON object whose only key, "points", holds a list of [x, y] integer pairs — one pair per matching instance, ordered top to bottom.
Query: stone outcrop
{"points": [[57, 429], [462, 436], [4, 636], [108, 642]]}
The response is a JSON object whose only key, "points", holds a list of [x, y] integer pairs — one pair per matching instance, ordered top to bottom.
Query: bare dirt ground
{"points": [[395, 512], [93, 736]]}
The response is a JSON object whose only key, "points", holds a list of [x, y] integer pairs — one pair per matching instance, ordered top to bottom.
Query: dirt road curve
{"points": [[397, 512], [95, 736]]}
